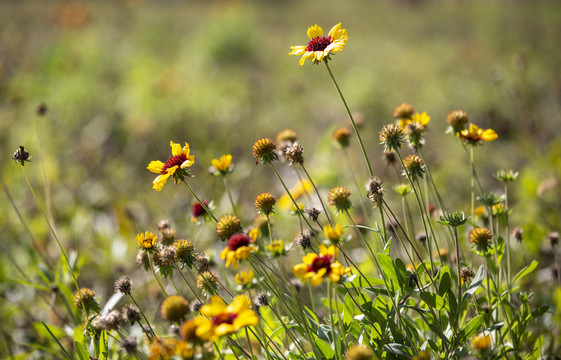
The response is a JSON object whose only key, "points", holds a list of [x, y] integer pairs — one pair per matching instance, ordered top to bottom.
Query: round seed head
{"points": [[403, 111], [457, 119], [391, 136], [342, 137], [264, 151], [294, 154], [389, 157], [414, 167], [374, 190], [339, 197], [264, 203], [312, 213], [228, 225], [517, 233], [480, 236], [553, 238], [303, 239], [183, 251], [123, 285], [86, 297], [261, 300], [196, 305], [174, 308], [130, 314], [110, 321], [129, 345], [359, 352]]}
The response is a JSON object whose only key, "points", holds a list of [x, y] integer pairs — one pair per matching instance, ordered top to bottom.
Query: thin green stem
{"points": [[352, 120], [227, 188], [319, 196], [200, 202], [156, 276], [330, 299]]}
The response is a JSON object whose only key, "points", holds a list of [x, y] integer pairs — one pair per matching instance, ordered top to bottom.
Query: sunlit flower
{"points": [[320, 47], [474, 135], [391, 136], [264, 151], [222, 165], [175, 166], [414, 167], [301, 188], [339, 197], [264, 203], [198, 210], [227, 226], [254, 233], [333, 234], [480, 236], [146, 241], [239, 247], [276, 247], [317, 266], [244, 277], [86, 297], [220, 319], [481, 342], [162, 349]]}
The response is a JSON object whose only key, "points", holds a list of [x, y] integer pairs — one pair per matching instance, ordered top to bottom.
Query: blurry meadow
{"points": [[95, 91]]}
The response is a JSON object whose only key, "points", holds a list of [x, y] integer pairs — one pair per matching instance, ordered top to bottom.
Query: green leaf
{"points": [[500, 250], [389, 269], [525, 271], [445, 280], [364, 281], [475, 283], [33, 285], [433, 300], [537, 313], [471, 328], [56, 340], [103, 346], [325, 348], [80, 349], [399, 349]]}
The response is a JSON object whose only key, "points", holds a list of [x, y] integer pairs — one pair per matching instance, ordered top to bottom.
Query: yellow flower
{"points": [[320, 47], [419, 119], [474, 135], [180, 159], [222, 166], [301, 188], [254, 233], [333, 234], [146, 241], [239, 247], [276, 248], [315, 266], [244, 277], [220, 319], [481, 342]]}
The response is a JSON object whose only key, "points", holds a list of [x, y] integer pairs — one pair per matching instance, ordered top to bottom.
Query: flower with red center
{"points": [[319, 47], [175, 166], [198, 210], [238, 248], [316, 266], [220, 319]]}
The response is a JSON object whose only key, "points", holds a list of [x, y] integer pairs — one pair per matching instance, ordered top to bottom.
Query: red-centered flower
{"points": [[319, 47], [176, 165], [198, 210], [238, 248], [316, 266]]}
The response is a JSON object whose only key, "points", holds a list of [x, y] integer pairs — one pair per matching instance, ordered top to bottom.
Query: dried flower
{"points": [[457, 119], [391, 136], [342, 137], [264, 151], [294, 154], [21, 156], [389, 157], [414, 167], [374, 190], [339, 197], [312, 213], [228, 225], [517, 232], [421, 237], [553, 238], [303, 239], [183, 251], [165, 256], [142, 259], [202, 262], [466, 275], [123, 285], [261, 300], [196, 305], [174, 308], [131, 314], [110, 321], [129, 345]]}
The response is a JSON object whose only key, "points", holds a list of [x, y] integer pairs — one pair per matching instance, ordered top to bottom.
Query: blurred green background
{"points": [[121, 79]]}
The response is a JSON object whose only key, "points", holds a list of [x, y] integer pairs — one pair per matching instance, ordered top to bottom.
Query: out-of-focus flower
{"points": [[319, 47], [474, 135], [222, 165], [301, 188], [339, 197], [264, 203], [227, 226], [333, 234], [146, 241], [239, 247], [276, 248], [317, 266], [244, 277], [174, 308], [481, 342]]}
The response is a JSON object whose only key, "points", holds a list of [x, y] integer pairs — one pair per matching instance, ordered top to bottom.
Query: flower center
{"points": [[318, 43], [176, 160], [237, 241], [323, 261], [224, 318]]}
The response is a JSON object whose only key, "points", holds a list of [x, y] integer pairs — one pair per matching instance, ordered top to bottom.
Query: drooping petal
{"points": [[335, 32], [297, 50], [156, 166], [160, 181]]}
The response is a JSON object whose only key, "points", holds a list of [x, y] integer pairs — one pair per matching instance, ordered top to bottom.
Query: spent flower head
{"points": [[320, 47], [403, 111], [457, 119], [391, 136], [342, 137], [294, 154], [21, 156], [176, 166], [414, 167], [374, 190], [227, 226], [303, 239], [123, 285], [86, 297], [130, 314]]}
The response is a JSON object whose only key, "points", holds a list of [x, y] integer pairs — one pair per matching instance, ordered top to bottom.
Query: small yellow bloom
{"points": [[320, 47], [474, 135], [222, 165], [175, 166], [301, 188], [254, 234], [333, 234], [146, 241], [239, 247], [276, 248], [316, 267], [244, 277], [220, 319], [481, 342]]}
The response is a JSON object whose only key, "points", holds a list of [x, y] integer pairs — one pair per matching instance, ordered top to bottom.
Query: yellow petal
{"points": [[314, 31], [335, 31], [297, 50], [489, 135], [175, 148], [190, 161], [156, 166], [160, 181], [309, 258], [300, 270], [316, 279], [239, 304], [246, 318], [224, 329]]}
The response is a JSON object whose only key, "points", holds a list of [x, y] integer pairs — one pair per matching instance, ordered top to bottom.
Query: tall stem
{"points": [[352, 120], [227, 188], [200, 202]]}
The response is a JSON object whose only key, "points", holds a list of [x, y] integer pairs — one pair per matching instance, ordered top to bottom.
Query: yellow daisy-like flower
{"points": [[320, 47], [420, 119], [474, 135], [180, 159], [222, 165], [301, 188], [254, 233], [333, 234], [146, 241], [239, 247], [276, 247], [316, 267], [244, 277], [220, 319]]}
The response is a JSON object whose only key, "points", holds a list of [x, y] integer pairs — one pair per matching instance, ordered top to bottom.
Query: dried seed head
{"points": [[41, 109], [403, 111], [457, 119], [414, 132], [391, 136], [342, 137], [264, 151], [294, 154], [21, 156], [389, 157], [414, 167], [374, 190], [339, 197], [264, 203], [312, 213], [164, 224], [228, 225], [517, 232], [167, 235], [421, 237], [553, 238], [303, 239], [165, 256], [142, 259], [202, 262], [466, 274], [207, 282], [123, 285], [86, 297], [261, 300], [196, 305], [174, 308], [131, 314], [110, 321], [129, 345], [359, 352]]}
